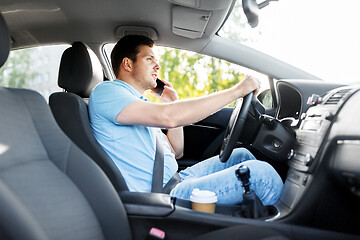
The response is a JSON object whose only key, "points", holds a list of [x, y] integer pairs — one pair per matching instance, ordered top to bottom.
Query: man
{"points": [[126, 125]]}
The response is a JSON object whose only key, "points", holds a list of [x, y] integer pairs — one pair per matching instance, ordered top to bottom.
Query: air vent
{"points": [[336, 97]]}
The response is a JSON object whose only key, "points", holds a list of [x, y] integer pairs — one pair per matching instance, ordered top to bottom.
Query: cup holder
{"points": [[226, 209]]}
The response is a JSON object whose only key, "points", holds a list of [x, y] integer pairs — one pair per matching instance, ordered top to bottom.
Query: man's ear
{"points": [[127, 64]]}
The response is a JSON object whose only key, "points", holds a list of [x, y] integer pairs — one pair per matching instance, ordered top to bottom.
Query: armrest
{"points": [[147, 204]]}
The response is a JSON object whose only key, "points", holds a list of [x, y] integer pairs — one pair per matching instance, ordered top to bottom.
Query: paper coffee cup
{"points": [[203, 200]]}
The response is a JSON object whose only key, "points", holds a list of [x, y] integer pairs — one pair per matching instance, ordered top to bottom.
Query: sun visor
{"points": [[189, 22]]}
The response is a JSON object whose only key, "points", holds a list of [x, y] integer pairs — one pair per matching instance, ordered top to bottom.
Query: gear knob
{"points": [[243, 174]]}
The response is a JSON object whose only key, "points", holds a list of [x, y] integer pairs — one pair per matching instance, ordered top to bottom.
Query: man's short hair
{"points": [[128, 46]]}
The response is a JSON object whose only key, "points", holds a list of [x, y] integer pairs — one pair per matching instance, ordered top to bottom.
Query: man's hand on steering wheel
{"points": [[249, 87]]}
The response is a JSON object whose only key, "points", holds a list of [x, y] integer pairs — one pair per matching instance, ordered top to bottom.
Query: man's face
{"points": [[146, 68]]}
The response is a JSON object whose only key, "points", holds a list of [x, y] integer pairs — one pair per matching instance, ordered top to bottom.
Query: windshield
{"points": [[320, 37]]}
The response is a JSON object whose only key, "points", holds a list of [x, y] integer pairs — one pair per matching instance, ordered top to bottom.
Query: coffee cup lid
{"points": [[203, 196]]}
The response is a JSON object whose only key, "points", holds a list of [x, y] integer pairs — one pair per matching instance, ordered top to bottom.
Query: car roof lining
{"points": [[101, 19]]}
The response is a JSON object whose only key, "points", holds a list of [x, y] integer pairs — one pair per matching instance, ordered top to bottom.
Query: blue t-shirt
{"points": [[131, 147]]}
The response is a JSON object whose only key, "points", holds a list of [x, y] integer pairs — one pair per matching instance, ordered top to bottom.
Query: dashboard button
{"points": [[314, 100], [329, 116], [308, 159]]}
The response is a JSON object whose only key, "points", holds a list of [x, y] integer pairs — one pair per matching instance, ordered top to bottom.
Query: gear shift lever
{"points": [[243, 173], [251, 206]]}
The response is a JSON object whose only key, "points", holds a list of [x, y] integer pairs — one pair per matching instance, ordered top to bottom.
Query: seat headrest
{"points": [[4, 41], [80, 70]]}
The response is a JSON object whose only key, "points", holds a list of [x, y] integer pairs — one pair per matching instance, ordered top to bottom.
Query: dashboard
{"points": [[324, 161]]}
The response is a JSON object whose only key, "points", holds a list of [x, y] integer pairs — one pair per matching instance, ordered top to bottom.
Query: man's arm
{"points": [[180, 113], [175, 137]]}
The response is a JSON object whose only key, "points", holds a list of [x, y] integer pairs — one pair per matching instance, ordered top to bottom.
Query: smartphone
{"points": [[159, 87]]}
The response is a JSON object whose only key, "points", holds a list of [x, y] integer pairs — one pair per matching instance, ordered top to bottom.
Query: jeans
{"points": [[213, 175]]}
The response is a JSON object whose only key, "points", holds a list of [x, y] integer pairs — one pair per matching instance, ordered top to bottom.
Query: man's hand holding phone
{"points": [[159, 87], [165, 91]]}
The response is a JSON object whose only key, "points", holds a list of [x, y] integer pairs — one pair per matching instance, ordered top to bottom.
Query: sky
{"points": [[321, 37]]}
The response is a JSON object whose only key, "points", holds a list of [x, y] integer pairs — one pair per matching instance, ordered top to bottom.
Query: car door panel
{"points": [[203, 139]]}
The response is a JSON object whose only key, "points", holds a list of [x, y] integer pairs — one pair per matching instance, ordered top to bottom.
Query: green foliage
{"points": [[17, 70]]}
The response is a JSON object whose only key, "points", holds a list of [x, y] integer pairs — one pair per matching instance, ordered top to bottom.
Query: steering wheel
{"points": [[235, 126]]}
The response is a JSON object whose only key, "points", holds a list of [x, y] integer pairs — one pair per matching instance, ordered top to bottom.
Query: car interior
{"points": [[57, 182]]}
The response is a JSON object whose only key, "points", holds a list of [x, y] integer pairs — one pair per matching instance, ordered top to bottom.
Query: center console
{"points": [[306, 154], [162, 205]]}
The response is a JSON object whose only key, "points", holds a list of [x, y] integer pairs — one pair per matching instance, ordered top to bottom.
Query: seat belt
{"points": [[158, 171], [172, 183]]}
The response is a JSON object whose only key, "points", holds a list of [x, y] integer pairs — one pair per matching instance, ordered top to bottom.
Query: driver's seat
{"points": [[80, 71]]}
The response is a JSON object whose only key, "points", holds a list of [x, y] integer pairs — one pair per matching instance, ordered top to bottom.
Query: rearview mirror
{"points": [[251, 10]]}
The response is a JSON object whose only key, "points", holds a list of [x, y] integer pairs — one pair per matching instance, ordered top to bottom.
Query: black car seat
{"points": [[80, 71]]}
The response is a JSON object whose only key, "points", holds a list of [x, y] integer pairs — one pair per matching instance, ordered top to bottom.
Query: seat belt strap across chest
{"points": [[158, 172]]}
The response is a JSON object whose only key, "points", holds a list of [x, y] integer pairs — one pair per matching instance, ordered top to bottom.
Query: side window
{"points": [[33, 68], [195, 75]]}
